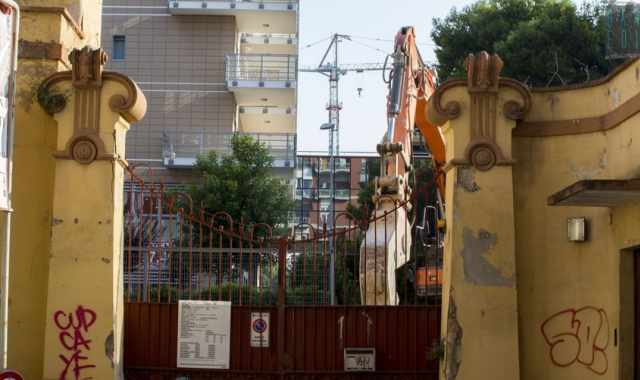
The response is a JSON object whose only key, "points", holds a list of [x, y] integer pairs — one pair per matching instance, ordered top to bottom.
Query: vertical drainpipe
{"points": [[6, 233]]}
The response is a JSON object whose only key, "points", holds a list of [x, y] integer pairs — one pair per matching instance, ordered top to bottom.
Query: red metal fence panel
{"points": [[314, 339]]}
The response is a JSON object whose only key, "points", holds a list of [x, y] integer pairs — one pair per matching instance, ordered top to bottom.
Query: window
{"points": [[118, 47]]}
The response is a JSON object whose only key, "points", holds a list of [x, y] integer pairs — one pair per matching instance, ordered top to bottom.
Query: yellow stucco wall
{"points": [[35, 141], [86, 247], [559, 280], [572, 310], [480, 320]]}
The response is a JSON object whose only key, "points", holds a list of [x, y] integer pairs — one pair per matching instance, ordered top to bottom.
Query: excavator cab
{"points": [[428, 255]]}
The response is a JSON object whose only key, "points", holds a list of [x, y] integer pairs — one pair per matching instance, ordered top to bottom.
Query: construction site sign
{"points": [[8, 48], [260, 325], [204, 334], [359, 359]]}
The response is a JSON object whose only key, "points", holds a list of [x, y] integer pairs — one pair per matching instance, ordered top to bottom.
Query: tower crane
{"points": [[330, 67]]}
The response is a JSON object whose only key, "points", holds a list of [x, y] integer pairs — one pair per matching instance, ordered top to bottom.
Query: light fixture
{"points": [[577, 229]]}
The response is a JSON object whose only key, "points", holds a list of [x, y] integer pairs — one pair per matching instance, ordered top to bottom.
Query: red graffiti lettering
{"points": [[56, 319], [73, 330], [578, 336], [10, 375]]}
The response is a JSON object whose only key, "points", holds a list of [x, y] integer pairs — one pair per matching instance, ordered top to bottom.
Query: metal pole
{"points": [[333, 119], [331, 225], [6, 249]]}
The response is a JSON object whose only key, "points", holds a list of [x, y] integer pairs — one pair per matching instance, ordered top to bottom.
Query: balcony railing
{"points": [[202, 6], [268, 39], [261, 70], [268, 110], [181, 149], [339, 166], [341, 194]]}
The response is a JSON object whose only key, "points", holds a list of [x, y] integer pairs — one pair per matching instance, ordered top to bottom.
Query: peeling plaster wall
{"points": [[33, 181], [479, 275], [555, 275], [562, 283]]}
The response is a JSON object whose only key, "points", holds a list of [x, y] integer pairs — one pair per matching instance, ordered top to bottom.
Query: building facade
{"points": [[210, 69], [313, 186], [542, 244]]}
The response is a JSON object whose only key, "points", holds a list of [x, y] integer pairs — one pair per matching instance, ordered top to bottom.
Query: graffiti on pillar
{"points": [[578, 337], [74, 338]]}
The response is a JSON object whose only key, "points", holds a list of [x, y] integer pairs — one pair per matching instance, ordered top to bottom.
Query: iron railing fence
{"points": [[261, 67], [176, 250]]}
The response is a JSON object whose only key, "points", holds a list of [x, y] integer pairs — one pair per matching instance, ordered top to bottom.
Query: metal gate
{"points": [[307, 280]]}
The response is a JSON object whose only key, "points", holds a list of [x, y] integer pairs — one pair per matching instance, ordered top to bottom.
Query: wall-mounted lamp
{"points": [[577, 229]]}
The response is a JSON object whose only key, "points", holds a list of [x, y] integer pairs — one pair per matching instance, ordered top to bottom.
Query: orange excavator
{"points": [[411, 85]]}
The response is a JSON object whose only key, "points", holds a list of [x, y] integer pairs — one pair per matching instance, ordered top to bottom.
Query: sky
{"points": [[373, 23]]}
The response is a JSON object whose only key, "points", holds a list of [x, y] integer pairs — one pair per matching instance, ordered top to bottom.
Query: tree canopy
{"points": [[535, 38], [241, 184]]}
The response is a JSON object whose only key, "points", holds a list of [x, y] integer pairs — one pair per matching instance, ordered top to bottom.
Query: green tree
{"points": [[531, 36], [241, 184]]}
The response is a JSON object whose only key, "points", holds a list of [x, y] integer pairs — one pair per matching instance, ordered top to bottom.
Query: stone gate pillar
{"points": [[93, 109], [480, 315]]}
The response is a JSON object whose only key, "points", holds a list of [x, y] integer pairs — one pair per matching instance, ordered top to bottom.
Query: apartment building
{"points": [[210, 69], [352, 172], [313, 185]]}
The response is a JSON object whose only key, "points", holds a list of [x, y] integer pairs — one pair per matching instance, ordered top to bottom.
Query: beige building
{"points": [[210, 69]]}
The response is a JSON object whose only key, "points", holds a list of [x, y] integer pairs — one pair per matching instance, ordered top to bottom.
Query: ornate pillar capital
{"points": [[81, 90], [493, 104]]}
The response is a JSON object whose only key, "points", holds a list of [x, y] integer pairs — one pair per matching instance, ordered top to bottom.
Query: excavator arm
{"points": [[411, 84]]}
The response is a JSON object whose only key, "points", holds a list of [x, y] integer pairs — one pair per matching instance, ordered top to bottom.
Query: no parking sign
{"points": [[260, 330]]}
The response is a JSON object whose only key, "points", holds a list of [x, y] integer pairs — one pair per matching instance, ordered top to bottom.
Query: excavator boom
{"points": [[411, 84]]}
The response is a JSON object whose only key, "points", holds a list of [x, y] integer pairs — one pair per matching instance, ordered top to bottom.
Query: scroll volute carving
{"points": [[87, 67], [483, 72], [87, 78], [483, 84]]}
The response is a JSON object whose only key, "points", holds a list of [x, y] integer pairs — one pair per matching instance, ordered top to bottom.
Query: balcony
{"points": [[264, 16], [268, 43], [262, 79], [256, 119], [181, 149], [340, 166], [314, 194], [341, 194]]}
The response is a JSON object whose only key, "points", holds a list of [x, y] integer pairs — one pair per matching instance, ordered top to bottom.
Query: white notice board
{"points": [[204, 334]]}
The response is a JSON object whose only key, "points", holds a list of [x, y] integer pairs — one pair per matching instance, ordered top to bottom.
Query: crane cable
{"points": [[316, 43]]}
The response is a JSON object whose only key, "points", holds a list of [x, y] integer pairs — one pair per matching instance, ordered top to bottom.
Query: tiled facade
{"points": [[179, 62]]}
